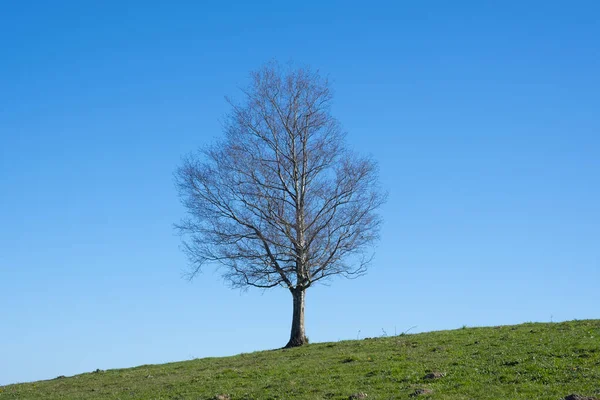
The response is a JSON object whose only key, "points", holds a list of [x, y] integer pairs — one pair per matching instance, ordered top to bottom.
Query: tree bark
{"points": [[297, 335]]}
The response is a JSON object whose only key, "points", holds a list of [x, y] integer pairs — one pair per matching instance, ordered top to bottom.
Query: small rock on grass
{"points": [[420, 392], [356, 396], [222, 397], [579, 397]]}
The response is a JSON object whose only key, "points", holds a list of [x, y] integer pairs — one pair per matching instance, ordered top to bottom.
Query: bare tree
{"points": [[280, 200]]}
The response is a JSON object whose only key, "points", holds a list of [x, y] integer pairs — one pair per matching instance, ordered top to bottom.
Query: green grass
{"points": [[528, 361]]}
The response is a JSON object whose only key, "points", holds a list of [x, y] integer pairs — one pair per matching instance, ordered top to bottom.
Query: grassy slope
{"points": [[529, 361]]}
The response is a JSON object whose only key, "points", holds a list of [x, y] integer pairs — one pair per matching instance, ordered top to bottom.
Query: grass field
{"points": [[528, 361]]}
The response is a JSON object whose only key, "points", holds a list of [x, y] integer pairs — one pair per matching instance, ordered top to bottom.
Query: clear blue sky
{"points": [[484, 116]]}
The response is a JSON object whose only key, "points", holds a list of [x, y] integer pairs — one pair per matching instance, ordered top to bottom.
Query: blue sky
{"points": [[484, 117]]}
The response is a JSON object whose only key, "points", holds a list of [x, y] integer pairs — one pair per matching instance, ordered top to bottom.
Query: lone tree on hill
{"points": [[280, 200]]}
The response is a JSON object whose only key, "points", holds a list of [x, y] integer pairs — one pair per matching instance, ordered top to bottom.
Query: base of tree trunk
{"points": [[296, 342]]}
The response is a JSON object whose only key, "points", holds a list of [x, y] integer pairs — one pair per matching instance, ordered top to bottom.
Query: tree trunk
{"points": [[297, 335]]}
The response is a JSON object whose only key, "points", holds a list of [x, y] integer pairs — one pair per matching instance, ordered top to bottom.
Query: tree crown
{"points": [[280, 199]]}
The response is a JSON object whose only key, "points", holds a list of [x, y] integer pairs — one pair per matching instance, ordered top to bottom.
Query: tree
{"points": [[280, 200]]}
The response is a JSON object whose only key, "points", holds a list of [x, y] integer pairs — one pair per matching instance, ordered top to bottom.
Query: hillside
{"points": [[528, 361]]}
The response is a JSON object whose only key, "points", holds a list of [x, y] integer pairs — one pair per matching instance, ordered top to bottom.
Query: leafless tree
{"points": [[280, 200]]}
